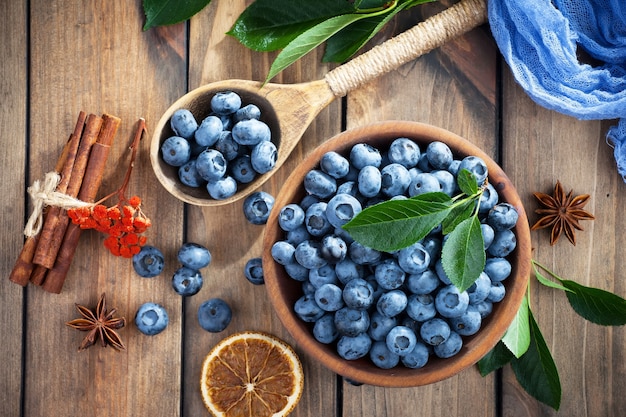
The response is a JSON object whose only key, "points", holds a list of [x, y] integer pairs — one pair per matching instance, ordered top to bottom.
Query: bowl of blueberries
{"points": [[212, 144], [396, 317]]}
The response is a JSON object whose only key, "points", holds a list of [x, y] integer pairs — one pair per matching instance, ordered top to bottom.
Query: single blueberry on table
{"points": [[225, 102], [183, 123], [209, 131], [251, 132], [176, 151], [223, 188], [257, 207], [194, 256], [149, 262], [253, 271], [187, 281], [214, 315], [151, 319], [401, 340], [354, 347], [382, 357]]}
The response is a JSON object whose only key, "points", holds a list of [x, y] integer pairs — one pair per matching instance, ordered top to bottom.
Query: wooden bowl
{"points": [[198, 102], [283, 291]]}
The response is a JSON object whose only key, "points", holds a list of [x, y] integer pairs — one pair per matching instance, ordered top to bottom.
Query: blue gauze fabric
{"points": [[539, 41]]}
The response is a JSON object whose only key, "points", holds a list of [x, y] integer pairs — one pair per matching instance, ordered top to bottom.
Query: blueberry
{"points": [[225, 102], [249, 111], [183, 123], [209, 131], [251, 132], [227, 146], [176, 151], [405, 152], [363, 154], [439, 155], [263, 157], [423, 164], [211, 165], [334, 165], [476, 166], [241, 169], [188, 174], [395, 180], [369, 181], [447, 182], [424, 183], [319, 184], [348, 187], [223, 188], [488, 199], [308, 200], [257, 207], [341, 209], [502, 216], [290, 217], [315, 220], [488, 234], [298, 235], [504, 242], [432, 244], [334, 249], [283, 252], [309, 254], [363, 255], [194, 256], [414, 259], [149, 262], [498, 269], [347, 270], [253, 271], [297, 271], [324, 275], [389, 275], [443, 277], [187, 281], [424, 282], [479, 290], [496, 292], [329, 297], [450, 302], [392, 303], [421, 307], [484, 308], [214, 315], [151, 319], [351, 322], [468, 323], [380, 325], [324, 330], [435, 331], [401, 340], [354, 347], [450, 347], [382, 357], [416, 358]]}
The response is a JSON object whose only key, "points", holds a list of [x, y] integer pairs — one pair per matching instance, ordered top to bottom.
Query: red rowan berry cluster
{"points": [[123, 223]]}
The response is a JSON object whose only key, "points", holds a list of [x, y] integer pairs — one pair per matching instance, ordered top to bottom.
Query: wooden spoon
{"points": [[289, 109]]}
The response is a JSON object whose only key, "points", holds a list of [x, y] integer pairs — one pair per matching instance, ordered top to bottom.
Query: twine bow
{"points": [[43, 193]]}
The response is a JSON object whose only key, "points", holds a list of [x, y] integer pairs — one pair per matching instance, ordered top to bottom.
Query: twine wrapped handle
{"points": [[422, 38], [43, 193]]}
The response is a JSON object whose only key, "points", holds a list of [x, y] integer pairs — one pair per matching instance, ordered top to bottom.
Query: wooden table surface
{"points": [[60, 57]]}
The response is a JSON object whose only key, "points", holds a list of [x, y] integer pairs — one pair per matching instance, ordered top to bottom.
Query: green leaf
{"points": [[169, 12], [270, 25], [467, 182], [459, 213], [396, 224], [463, 254], [544, 280], [596, 305], [517, 336], [495, 359], [536, 371]]}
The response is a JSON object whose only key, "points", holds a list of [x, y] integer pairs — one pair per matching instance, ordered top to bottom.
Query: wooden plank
{"points": [[94, 56], [13, 85], [440, 89], [541, 147], [225, 231]]}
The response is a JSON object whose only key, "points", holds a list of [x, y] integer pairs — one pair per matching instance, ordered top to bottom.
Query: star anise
{"points": [[562, 213], [100, 324]]}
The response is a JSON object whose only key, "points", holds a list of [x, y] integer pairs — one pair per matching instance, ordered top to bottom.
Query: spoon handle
{"points": [[405, 47]]}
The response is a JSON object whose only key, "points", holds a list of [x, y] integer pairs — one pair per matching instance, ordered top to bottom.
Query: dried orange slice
{"points": [[251, 374]]}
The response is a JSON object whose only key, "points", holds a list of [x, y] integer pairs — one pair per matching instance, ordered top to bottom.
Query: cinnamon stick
{"points": [[88, 191], [52, 235], [21, 272]]}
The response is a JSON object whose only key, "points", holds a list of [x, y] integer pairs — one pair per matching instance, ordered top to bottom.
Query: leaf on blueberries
{"points": [[169, 12], [269, 25], [467, 182], [459, 212], [396, 224], [463, 254], [596, 305], [517, 336], [499, 356], [536, 371]]}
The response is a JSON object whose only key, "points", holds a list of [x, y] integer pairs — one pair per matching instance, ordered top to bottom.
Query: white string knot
{"points": [[43, 193]]}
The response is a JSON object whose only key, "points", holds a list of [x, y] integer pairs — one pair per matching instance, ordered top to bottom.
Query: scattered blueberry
{"points": [[257, 207], [194, 256], [149, 262], [253, 271], [187, 281], [214, 315], [151, 319]]}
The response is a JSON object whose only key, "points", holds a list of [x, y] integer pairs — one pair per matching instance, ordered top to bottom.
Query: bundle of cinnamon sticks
{"points": [[45, 258]]}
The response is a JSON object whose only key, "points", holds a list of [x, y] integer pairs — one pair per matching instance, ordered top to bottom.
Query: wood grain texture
{"points": [[13, 154]]}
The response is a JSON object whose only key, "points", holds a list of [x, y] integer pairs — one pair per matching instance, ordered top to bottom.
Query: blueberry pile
{"points": [[228, 148], [396, 308]]}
